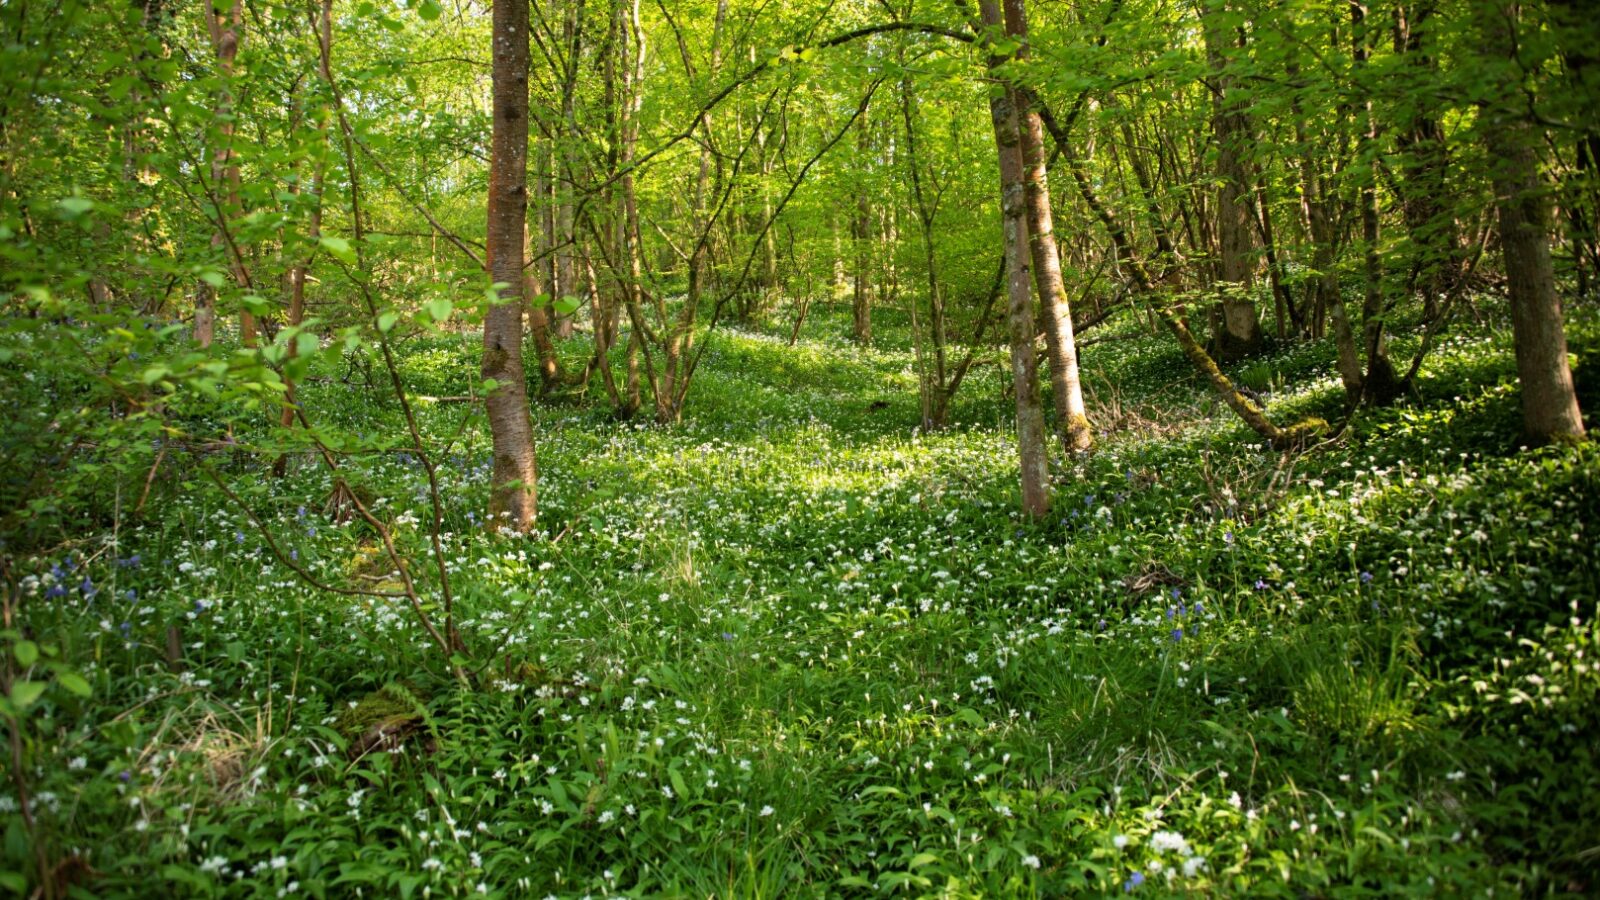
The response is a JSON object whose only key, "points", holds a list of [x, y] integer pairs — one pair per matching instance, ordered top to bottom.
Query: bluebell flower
{"points": [[1227, 536], [238, 537], [294, 555], [1366, 577], [1260, 585], [87, 587], [56, 590], [1176, 593], [130, 595], [200, 606], [1198, 608], [126, 627], [727, 635], [1177, 635], [125, 775], [1133, 881]]}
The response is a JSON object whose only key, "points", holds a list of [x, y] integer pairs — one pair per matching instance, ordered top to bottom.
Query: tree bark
{"points": [[1240, 332], [1067, 388], [1549, 402], [1032, 455], [513, 498]]}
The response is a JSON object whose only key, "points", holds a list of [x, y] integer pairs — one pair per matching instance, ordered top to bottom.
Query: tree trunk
{"points": [[861, 231], [1240, 332], [1381, 385], [1067, 389], [1549, 402], [1031, 446], [513, 498]]}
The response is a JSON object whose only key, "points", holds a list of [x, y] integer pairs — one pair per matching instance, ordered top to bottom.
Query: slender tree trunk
{"points": [[861, 231], [301, 269], [538, 307], [1240, 333], [932, 384], [1381, 386], [1067, 390], [1549, 401], [1031, 445], [513, 498]]}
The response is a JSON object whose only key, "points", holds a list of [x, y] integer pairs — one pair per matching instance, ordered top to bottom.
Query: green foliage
{"points": [[791, 648]]}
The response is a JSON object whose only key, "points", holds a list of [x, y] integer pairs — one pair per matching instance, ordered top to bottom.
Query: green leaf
{"points": [[429, 10], [73, 207], [339, 248], [213, 278], [566, 306], [439, 308], [386, 322], [154, 374], [27, 653], [75, 683], [23, 693]]}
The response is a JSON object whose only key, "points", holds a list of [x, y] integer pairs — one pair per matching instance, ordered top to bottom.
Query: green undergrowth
{"points": [[793, 647]]}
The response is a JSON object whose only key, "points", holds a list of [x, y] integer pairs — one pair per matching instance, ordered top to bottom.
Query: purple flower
{"points": [[1227, 536], [238, 537], [1366, 577], [1260, 585], [87, 587], [56, 590], [1176, 593], [130, 595], [1198, 608], [727, 635], [1177, 635], [125, 775], [1133, 881]]}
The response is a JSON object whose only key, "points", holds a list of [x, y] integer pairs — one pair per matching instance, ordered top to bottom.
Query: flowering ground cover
{"points": [[795, 648]]}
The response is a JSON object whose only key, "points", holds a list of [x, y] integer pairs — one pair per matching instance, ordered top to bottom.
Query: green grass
{"points": [[795, 648]]}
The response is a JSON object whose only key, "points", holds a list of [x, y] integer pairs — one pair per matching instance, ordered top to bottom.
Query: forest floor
{"points": [[793, 648]]}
